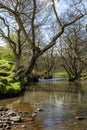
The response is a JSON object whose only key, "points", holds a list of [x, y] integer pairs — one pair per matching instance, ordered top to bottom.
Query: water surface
{"points": [[61, 101]]}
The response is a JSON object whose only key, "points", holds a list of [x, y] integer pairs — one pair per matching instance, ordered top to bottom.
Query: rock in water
{"points": [[39, 109], [34, 114], [15, 118], [81, 118], [23, 126]]}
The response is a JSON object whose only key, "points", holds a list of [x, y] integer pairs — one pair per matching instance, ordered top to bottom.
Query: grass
{"points": [[60, 75], [65, 75], [84, 75]]}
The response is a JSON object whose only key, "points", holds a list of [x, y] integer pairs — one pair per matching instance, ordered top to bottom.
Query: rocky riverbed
{"points": [[19, 120]]}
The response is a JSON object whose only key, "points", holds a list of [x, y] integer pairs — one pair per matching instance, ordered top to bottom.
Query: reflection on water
{"points": [[56, 93], [61, 101]]}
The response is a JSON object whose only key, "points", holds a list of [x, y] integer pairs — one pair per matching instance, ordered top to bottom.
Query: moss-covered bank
{"points": [[8, 87]]}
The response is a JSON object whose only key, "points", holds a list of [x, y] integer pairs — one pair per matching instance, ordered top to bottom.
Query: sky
{"points": [[62, 6]]}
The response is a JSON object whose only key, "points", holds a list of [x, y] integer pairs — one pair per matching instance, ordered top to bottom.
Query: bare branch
{"points": [[55, 12], [4, 21], [19, 21], [73, 21], [32, 23]]}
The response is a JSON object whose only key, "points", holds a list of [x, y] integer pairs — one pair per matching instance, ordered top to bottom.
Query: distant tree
{"points": [[72, 43], [16, 44], [45, 64]]}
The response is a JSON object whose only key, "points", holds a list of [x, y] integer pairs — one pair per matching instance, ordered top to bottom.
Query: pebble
{"points": [[1, 108], [39, 109], [34, 114], [8, 118], [15, 118], [81, 118], [30, 119], [12, 123], [23, 126], [8, 127]]}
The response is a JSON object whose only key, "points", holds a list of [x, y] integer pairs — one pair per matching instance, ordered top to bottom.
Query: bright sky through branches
{"points": [[61, 5], [62, 8]]}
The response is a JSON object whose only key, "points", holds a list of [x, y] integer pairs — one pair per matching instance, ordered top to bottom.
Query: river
{"points": [[62, 103]]}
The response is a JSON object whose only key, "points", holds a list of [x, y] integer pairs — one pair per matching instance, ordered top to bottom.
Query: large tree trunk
{"points": [[17, 62], [31, 65], [25, 73]]}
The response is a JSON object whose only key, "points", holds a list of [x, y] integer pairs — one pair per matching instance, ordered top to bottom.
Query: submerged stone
{"points": [[39, 109], [15, 118], [81, 118], [23, 126]]}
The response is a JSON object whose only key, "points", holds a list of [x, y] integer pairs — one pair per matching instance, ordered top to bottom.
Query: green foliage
{"points": [[1, 52], [6, 53], [5, 65], [60, 75], [84, 75], [8, 78], [1, 84], [7, 85], [15, 86], [2, 88]]}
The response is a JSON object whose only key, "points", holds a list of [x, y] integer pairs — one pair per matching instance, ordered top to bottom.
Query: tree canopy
{"points": [[36, 24]]}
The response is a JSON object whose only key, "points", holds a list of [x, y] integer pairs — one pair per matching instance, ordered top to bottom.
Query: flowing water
{"points": [[61, 101]]}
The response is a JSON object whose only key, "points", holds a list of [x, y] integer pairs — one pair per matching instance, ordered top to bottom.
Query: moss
{"points": [[5, 64], [4, 73], [8, 78], [4, 81], [2, 85], [14, 86], [8, 87], [2, 88]]}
